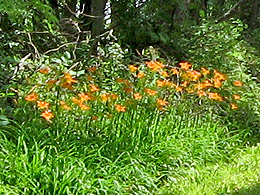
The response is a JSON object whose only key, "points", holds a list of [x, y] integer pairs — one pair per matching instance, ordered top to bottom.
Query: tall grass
{"points": [[137, 149]]}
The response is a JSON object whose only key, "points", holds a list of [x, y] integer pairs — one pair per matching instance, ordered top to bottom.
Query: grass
{"points": [[186, 145], [140, 157], [240, 176]]}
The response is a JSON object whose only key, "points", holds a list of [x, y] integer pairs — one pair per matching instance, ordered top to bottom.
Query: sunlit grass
{"points": [[136, 134]]}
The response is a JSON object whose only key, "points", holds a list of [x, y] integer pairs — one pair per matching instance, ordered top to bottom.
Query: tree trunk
{"points": [[97, 25]]}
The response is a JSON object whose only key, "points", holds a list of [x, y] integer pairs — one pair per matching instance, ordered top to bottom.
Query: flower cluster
{"points": [[81, 94]]}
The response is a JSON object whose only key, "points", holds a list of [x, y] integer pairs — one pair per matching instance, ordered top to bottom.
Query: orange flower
{"points": [[154, 65], [185, 65], [132, 68], [92, 69], [44, 70], [175, 71], [205, 71], [164, 74], [140, 75], [194, 75], [218, 75], [69, 78], [90, 78], [120, 80], [51, 82], [160, 83], [206, 83], [217, 83], [237, 83], [169, 84], [184, 84], [67, 86], [93, 88], [179, 89], [128, 90], [189, 90], [150, 91], [201, 93], [113, 96], [137, 96], [215, 96], [32, 97], [83, 97], [105, 97], [236, 97], [76, 100], [161, 102], [43, 104], [64, 105], [233, 106], [84, 107], [120, 108], [161, 108], [47, 115], [94, 118]]}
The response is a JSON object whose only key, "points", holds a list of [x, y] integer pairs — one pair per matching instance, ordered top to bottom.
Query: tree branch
{"points": [[226, 15]]}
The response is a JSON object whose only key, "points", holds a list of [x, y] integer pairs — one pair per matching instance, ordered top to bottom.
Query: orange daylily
{"points": [[154, 65], [185, 65], [133, 68], [92, 69], [44, 70], [175, 71], [205, 71], [164, 74], [140, 75], [218, 75], [69, 78], [51, 82], [160, 83], [206, 83], [217, 83], [237, 83], [184, 84], [67, 86], [93, 88], [179, 89], [128, 90], [150, 91], [201, 93], [137, 96], [215, 96], [32, 97], [83, 97], [236, 97], [76, 100], [161, 102], [43, 104], [64, 105], [233, 106], [84, 107], [120, 108], [47, 115], [94, 118]]}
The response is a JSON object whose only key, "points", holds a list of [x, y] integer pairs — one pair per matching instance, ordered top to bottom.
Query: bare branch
{"points": [[230, 10], [81, 13]]}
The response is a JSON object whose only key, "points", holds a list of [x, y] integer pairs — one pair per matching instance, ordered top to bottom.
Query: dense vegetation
{"points": [[129, 97]]}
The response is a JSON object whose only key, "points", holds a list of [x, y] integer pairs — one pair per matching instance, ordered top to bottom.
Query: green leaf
{"points": [[4, 120]]}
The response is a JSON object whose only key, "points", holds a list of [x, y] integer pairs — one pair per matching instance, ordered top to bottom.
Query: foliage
{"points": [[122, 122]]}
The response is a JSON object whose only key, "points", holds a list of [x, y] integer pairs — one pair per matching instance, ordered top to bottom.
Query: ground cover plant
{"points": [[81, 132]]}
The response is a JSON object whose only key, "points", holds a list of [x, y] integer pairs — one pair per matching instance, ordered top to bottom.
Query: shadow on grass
{"points": [[251, 190]]}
